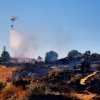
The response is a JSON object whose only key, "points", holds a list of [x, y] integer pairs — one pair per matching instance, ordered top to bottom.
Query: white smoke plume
{"points": [[15, 39], [22, 44]]}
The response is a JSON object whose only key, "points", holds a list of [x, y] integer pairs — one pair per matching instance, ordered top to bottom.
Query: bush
{"points": [[85, 65], [98, 68], [57, 77], [75, 79], [21, 82], [2, 85], [41, 90], [11, 92]]}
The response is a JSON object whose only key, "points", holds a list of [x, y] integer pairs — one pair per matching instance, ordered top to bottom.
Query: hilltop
{"points": [[71, 78]]}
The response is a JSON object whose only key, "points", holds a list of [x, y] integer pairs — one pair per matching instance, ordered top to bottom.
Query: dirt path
{"points": [[82, 81], [87, 96]]}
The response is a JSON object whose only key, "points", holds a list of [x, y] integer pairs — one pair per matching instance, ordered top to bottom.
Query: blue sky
{"points": [[59, 25]]}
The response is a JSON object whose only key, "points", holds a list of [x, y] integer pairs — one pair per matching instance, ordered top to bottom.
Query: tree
{"points": [[88, 52], [72, 53], [95, 55], [5, 56], [51, 56], [39, 58], [0, 59], [85, 65], [75, 66], [98, 68]]}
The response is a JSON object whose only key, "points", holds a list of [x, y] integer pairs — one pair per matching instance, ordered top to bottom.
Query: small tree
{"points": [[88, 52], [72, 53], [94, 55], [5, 56], [51, 56], [40, 58], [0, 59], [85, 65], [75, 66], [98, 68], [21, 82], [2, 85]]}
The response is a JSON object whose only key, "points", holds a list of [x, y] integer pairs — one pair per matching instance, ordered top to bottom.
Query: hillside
{"points": [[6, 73], [47, 81]]}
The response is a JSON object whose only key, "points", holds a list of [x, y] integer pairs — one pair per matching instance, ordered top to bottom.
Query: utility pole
{"points": [[4, 49]]}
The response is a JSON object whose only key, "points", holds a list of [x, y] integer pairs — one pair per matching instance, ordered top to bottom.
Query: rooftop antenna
{"points": [[4, 48]]}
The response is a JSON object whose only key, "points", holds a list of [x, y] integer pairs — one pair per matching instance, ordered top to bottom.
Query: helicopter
{"points": [[13, 19]]}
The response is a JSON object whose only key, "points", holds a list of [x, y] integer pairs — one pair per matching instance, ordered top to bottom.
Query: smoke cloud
{"points": [[15, 39], [22, 44]]}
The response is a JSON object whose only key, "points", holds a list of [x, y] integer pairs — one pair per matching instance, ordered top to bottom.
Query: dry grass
{"points": [[54, 72], [6, 73], [39, 87], [43, 88], [46, 90], [11, 92], [84, 96]]}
